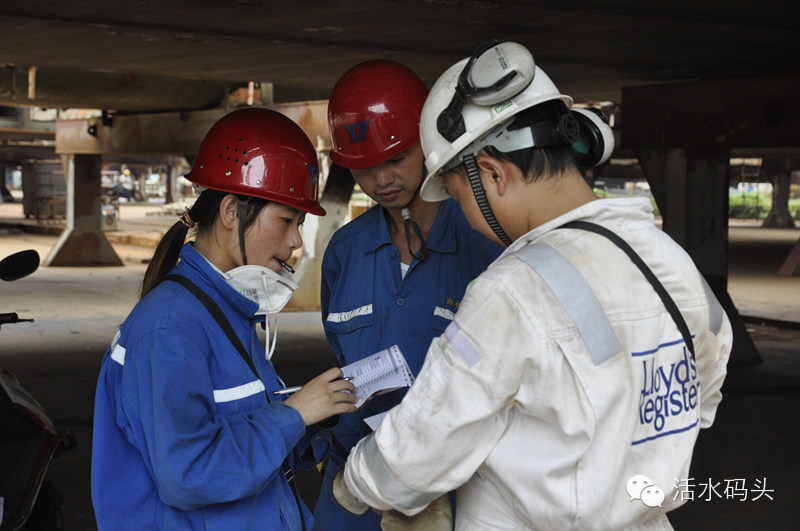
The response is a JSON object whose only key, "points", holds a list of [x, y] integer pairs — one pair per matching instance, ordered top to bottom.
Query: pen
{"points": [[288, 268], [290, 390]]}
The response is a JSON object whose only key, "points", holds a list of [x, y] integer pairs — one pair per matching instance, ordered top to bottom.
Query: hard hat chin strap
{"points": [[474, 177], [241, 212], [412, 225]]}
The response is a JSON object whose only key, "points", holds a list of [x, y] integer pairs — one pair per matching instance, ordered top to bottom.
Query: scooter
{"points": [[29, 440]]}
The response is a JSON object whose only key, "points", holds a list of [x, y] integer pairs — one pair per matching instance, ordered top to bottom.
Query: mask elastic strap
{"points": [[480, 196], [412, 225], [269, 350]]}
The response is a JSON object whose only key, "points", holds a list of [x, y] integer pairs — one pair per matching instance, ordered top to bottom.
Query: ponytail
{"points": [[200, 218], [165, 257]]}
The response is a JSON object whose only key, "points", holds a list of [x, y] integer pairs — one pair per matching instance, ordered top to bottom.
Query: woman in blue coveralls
{"points": [[396, 274], [188, 430]]}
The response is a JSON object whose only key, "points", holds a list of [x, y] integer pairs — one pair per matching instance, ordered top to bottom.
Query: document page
{"points": [[381, 372]]}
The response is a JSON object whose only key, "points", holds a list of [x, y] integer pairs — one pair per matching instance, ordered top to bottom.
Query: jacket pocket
{"points": [[441, 319], [348, 321]]}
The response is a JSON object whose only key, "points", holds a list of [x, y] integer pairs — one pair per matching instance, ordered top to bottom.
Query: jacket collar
{"points": [[607, 212], [441, 238], [199, 270]]}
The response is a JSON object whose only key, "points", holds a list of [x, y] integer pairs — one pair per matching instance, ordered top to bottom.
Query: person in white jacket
{"points": [[568, 392]]}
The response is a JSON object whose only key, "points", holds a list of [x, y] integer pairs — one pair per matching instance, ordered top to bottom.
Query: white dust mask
{"points": [[269, 289]]}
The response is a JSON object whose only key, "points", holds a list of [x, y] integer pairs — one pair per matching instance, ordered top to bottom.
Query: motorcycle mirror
{"points": [[18, 265]]}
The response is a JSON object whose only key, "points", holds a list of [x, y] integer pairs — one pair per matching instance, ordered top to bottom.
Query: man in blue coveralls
{"points": [[396, 274]]}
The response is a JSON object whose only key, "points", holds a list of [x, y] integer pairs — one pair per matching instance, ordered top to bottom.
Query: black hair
{"points": [[540, 161], [203, 215]]}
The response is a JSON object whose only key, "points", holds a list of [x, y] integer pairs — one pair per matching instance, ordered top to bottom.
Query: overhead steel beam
{"points": [[80, 87], [742, 113], [162, 133], [175, 133], [12, 134], [83, 143], [19, 153]]}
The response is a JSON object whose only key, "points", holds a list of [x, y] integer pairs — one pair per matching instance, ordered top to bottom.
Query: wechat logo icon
{"points": [[642, 488]]}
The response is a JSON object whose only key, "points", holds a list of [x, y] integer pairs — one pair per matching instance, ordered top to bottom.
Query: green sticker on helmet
{"points": [[503, 106]]}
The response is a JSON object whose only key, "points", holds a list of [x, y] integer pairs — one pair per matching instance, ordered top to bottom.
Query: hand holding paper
{"points": [[381, 372]]}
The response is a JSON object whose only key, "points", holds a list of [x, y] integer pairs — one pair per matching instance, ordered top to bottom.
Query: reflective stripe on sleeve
{"points": [[576, 297], [715, 311], [339, 317], [461, 345], [117, 350], [118, 354], [238, 392]]}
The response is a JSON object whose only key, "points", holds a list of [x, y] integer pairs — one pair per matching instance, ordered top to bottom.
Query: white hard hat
{"points": [[474, 97]]}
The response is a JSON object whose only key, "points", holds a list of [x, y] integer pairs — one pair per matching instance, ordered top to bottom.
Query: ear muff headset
{"points": [[494, 74], [473, 105], [595, 137]]}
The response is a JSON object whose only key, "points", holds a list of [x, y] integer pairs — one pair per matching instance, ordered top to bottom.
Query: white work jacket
{"points": [[561, 379]]}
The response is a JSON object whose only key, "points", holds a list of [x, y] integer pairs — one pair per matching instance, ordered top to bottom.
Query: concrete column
{"points": [[779, 172], [3, 177], [172, 182], [691, 190], [82, 243]]}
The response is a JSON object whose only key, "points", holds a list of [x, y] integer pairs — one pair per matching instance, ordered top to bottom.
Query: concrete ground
{"points": [[749, 456]]}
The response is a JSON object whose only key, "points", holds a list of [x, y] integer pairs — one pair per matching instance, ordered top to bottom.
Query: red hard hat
{"points": [[373, 113], [260, 153]]}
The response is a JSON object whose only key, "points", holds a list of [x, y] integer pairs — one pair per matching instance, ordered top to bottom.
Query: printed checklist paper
{"points": [[379, 373]]}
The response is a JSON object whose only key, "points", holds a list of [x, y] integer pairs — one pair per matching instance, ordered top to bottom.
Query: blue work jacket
{"points": [[368, 306], [184, 434]]}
